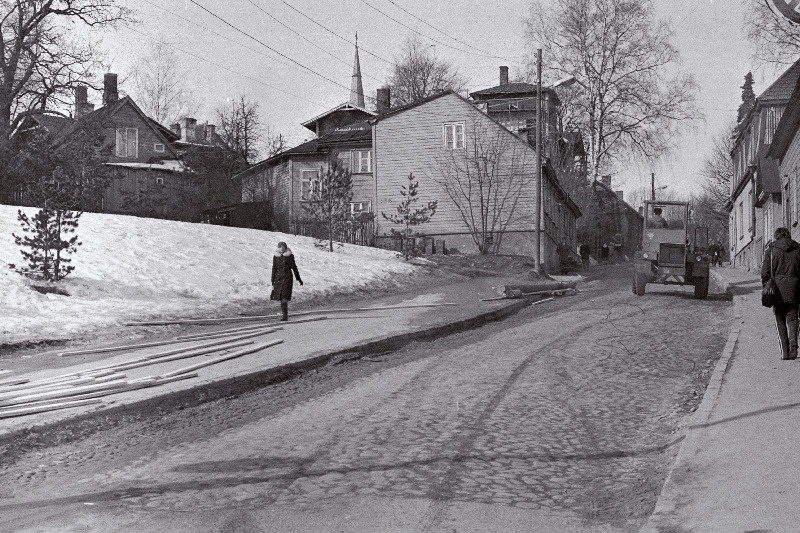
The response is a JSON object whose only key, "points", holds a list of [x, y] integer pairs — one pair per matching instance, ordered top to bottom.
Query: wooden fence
{"points": [[350, 231]]}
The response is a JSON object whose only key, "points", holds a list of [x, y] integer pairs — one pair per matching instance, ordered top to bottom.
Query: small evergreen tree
{"points": [[748, 97], [329, 201], [408, 215], [49, 239]]}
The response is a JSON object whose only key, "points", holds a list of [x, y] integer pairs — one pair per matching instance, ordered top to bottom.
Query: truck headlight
{"points": [[645, 256], [698, 258]]}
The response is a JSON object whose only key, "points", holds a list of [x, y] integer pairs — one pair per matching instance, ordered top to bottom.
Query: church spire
{"points": [[356, 88]]}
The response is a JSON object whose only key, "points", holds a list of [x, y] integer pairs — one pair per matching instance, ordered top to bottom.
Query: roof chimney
{"points": [[503, 75], [110, 93], [383, 100], [82, 106], [188, 125], [176, 129], [211, 130], [606, 180], [620, 194]]}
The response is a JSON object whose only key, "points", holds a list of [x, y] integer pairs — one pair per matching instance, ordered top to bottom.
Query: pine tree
{"points": [[748, 97], [329, 202], [410, 216], [49, 239]]}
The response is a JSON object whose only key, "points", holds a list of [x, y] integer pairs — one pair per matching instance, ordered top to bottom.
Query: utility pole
{"points": [[537, 197]]}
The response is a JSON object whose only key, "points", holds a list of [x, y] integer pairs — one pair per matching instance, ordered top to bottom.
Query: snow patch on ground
{"points": [[132, 268]]}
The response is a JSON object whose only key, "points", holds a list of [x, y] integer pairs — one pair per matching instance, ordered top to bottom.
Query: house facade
{"points": [[451, 147], [784, 152], [150, 174], [757, 203], [613, 220]]}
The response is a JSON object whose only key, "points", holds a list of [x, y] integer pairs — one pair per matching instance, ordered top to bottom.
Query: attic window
{"points": [[453, 136], [127, 142], [158, 147]]}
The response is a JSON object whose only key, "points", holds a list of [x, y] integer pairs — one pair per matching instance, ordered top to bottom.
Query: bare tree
{"points": [[775, 40], [41, 60], [418, 74], [159, 85], [629, 104], [242, 129], [717, 174], [485, 182]]}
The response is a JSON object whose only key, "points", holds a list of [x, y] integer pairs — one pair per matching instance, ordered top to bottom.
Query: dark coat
{"points": [[784, 255], [282, 267]]}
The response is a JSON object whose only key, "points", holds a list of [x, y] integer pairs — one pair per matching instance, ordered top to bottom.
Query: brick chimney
{"points": [[503, 75], [110, 93], [383, 100], [82, 106], [188, 125], [176, 128], [211, 130], [606, 180], [620, 194]]}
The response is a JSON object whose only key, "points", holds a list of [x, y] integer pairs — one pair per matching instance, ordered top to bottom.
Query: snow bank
{"points": [[131, 268]]}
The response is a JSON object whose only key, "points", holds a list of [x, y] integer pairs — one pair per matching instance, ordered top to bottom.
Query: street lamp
{"points": [[539, 187], [658, 189]]}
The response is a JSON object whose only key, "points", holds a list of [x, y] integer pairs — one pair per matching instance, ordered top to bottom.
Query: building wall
{"points": [[127, 116], [412, 142], [790, 176], [158, 194]]}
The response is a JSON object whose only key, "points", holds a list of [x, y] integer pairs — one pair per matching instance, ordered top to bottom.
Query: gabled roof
{"points": [[782, 88], [516, 90], [346, 106], [395, 110], [102, 114], [52, 123], [609, 192]]}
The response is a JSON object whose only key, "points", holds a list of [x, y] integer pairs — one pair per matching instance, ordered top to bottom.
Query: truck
{"points": [[673, 251]]}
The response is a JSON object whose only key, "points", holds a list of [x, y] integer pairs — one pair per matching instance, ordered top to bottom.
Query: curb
{"points": [[73, 428], [667, 501]]}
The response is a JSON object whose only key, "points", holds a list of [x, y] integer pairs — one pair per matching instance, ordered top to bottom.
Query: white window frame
{"points": [[457, 138], [127, 142], [159, 148], [361, 162], [159, 181], [307, 191], [366, 207]]}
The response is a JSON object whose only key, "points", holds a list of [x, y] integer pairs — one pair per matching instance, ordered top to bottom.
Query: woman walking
{"points": [[782, 265], [283, 266]]}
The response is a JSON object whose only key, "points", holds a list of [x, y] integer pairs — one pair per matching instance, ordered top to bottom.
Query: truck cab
{"points": [[672, 250]]}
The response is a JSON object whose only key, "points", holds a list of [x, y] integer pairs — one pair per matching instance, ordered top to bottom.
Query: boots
{"points": [[285, 311]]}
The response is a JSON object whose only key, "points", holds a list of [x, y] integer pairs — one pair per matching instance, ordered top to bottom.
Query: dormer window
{"points": [[127, 142]]}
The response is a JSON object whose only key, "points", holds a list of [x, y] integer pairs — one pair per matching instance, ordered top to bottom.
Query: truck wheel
{"points": [[638, 284], [701, 288]]}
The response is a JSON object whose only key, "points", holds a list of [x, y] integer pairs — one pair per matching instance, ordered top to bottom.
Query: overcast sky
{"points": [[709, 37]]}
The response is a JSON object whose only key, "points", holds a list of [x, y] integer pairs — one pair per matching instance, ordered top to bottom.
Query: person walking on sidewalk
{"points": [[584, 251], [782, 264], [283, 266]]}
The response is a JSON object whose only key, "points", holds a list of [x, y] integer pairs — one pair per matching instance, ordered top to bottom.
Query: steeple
{"points": [[356, 88]]}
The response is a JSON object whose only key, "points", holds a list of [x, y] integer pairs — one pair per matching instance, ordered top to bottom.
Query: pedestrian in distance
{"points": [[604, 251], [585, 252], [782, 265], [283, 266]]}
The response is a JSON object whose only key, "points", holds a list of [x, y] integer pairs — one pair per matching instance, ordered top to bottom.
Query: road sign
{"points": [[790, 9]]}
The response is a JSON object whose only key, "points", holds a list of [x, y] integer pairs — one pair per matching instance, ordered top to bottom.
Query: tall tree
{"points": [[774, 39], [42, 60], [418, 73], [160, 87], [748, 97], [632, 99], [242, 129], [717, 175], [329, 202]]}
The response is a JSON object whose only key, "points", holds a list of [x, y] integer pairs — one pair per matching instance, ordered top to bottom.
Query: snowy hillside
{"points": [[135, 268]]}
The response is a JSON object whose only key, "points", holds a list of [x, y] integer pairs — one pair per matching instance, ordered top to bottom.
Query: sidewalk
{"points": [[305, 345], [738, 469]]}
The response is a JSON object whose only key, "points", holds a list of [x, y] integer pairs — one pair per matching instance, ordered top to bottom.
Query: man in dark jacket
{"points": [[782, 265]]}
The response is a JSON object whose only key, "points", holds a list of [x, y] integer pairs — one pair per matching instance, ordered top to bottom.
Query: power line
{"points": [[407, 12], [418, 32], [345, 39], [312, 43], [261, 82]]}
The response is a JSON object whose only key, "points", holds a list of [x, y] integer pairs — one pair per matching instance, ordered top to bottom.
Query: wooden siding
{"points": [[127, 117], [412, 142], [790, 176], [178, 196]]}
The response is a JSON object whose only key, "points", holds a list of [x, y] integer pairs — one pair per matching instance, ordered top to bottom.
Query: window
{"points": [[454, 136], [127, 142], [158, 147], [362, 162], [159, 181], [308, 184], [356, 208], [749, 211], [740, 222]]}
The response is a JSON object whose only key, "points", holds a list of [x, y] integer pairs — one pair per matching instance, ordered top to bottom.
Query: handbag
{"points": [[769, 294]]}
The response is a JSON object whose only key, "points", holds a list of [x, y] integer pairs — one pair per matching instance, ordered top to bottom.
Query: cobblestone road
{"points": [[562, 418]]}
